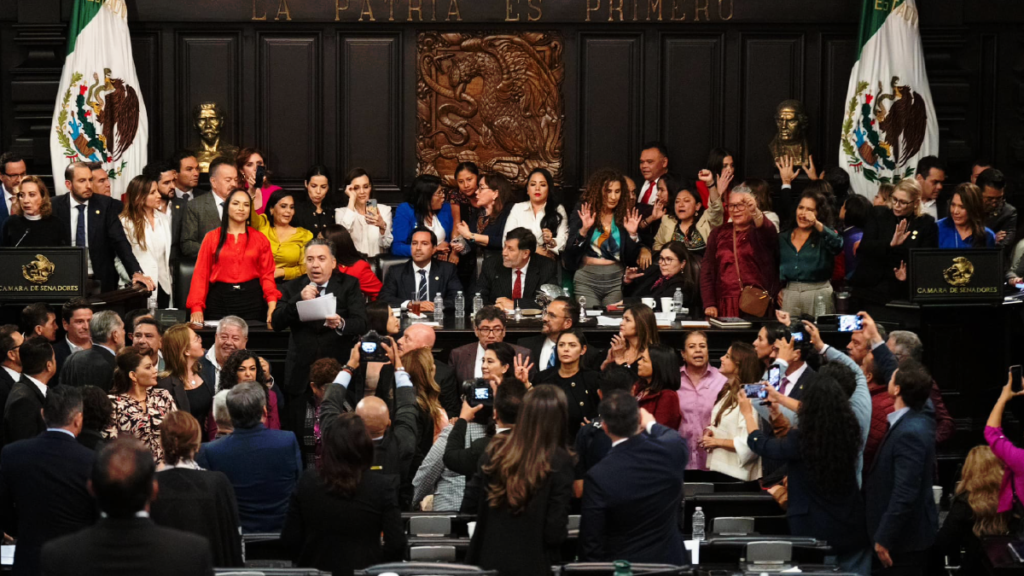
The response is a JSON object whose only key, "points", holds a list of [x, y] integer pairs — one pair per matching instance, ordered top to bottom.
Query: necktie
{"points": [[651, 188], [185, 196], [80, 231], [517, 288], [421, 292], [551, 359], [783, 385]]}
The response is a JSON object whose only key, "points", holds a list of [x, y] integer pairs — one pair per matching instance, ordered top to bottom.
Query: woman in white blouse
{"points": [[541, 214], [367, 222], [149, 233], [726, 438]]}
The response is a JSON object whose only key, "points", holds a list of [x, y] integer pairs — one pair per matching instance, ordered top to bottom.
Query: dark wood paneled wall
{"points": [[343, 93]]}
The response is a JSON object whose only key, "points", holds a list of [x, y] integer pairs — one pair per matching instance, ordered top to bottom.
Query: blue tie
{"points": [[80, 232], [421, 292], [551, 359]]}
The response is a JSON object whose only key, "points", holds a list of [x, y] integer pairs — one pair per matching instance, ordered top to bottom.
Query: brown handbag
{"points": [[753, 300]]}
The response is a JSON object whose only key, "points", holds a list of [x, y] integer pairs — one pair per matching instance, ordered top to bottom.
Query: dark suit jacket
{"points": [[177, 211], [4, 212], [200, 217], [106, 237], [874, 278], [496, 281], [400, 283], [310, 341], [61, 352], [463, 360], [591, 360], [92, 367], [445, 377], [6, 385], [176, 387], [798, 387], [23, 418], [263, 466], [43, 493], [632, 501], [201, 502], [832, 513], [901, 513], [315, 538], [527, 543], [128, 547]]}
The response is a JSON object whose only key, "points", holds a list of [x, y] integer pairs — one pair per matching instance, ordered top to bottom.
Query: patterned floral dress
{"points": [[142, 420]]}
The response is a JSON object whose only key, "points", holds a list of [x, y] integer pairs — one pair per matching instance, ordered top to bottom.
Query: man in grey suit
{"points": [[204, 212], [95, 366]]}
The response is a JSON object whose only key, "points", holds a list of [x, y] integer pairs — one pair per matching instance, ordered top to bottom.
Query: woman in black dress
{"points": [[314, 211], [32, 223], [676, 268], [182, 349], [578, 383], [523, 515]]}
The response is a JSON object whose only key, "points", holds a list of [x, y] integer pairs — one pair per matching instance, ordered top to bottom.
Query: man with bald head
{"points": [[419, 336], [394, 442]]}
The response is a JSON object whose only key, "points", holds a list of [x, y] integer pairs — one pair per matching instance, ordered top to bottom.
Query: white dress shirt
{"points": [[179, 193], [654, 193], [8, 197], [930, 207], [522, 216], [74, 225], [435, 225], [368, 238], [156, 257], [416, 283], [523, 284], [72, 346], [546, 350], [211, 355], [478, 365], [16, 376], [793, 378], [38, 384]]}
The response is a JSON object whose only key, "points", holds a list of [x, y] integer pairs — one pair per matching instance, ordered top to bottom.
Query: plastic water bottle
{"points": [[677, 301], [478, 303], [460, 305], [820, 306], [438, 308], [518, 314], [698, 524], [623, 568]]}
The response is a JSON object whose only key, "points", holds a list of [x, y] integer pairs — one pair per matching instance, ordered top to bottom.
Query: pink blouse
{"points": [[696, 403]]}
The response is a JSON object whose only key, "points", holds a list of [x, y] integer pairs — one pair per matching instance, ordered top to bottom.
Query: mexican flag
{"points": [[99, 115], [890, 119]]}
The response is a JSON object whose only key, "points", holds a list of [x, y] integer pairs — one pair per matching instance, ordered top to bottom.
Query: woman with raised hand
{"points": [[248, 161], [368, 222], [688, 222], [807, 253], [638, 330]]}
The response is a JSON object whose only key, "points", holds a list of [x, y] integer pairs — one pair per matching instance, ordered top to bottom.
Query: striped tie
{"points": [[421, 292]]}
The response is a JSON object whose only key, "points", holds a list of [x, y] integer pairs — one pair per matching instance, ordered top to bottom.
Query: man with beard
{"points": [[186, 175], [165, 176], [560, 315], [147, 339]]}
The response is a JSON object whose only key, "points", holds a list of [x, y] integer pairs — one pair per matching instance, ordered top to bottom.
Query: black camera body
{"points": [[261, 174], [371, 348], [478, 392]]}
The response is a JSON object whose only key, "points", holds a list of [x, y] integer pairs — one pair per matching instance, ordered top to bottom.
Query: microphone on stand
{"points": [[16, 244]]}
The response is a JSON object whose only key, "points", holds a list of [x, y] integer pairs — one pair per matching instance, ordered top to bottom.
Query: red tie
{"points": [[653, 186], [517, 288], [783, 385]]}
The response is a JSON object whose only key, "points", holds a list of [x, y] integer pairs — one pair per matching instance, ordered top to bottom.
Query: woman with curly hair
{"points": [[603, 239], [807, 253], [241, 366], [432, 418], [725, 439], [822, 453], [973, 514], [523, 515]]}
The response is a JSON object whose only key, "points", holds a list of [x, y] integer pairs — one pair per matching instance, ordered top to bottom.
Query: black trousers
{"points": [[244, 300], [903, 564]]}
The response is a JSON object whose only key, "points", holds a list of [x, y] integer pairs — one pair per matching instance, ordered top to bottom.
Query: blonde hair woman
{"points": [[31, 222], [419, 364], [972, 513]]}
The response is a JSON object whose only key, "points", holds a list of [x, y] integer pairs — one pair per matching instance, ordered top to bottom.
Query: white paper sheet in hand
{"points": [[317, 308]]}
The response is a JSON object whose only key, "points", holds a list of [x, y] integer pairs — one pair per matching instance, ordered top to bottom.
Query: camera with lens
{"points": [[371, 348], [478, 392]]}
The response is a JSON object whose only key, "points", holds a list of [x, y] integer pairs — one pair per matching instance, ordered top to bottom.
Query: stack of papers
{"points": [[317, 308], [606, 321]]}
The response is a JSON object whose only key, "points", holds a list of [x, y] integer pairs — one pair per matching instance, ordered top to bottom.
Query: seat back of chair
{"points": [[733, 525], [437, 526], [769, 552], [432, 553]]}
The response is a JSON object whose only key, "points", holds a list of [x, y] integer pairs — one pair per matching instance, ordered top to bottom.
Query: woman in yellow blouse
{"points": [[287, 241]]}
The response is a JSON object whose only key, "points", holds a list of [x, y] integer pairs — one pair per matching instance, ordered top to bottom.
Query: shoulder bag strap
{"points": [[736, 256]]}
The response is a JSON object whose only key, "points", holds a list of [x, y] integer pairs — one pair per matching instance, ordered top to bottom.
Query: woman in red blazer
{"points": [[353, 262], [655, 391]]}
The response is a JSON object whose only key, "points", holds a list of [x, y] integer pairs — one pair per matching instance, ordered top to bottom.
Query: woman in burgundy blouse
{"points": [[757, 241], [234, 272]]}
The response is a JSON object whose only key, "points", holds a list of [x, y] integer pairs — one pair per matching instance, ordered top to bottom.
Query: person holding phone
{"points": [[254, 177], [368, 222], [725, 439], [1005, 450]]}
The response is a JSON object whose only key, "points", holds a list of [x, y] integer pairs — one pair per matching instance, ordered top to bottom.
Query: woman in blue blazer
{"points": [[426, 207], [822, 455]]}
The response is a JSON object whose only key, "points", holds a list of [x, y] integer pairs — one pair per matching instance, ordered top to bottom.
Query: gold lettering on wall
{"points": [[535, 5], [653, 5], [417, 7], [282, 8], [453, 8], [595, 8], [338, 9], [612, 9], [697, 9], [721, 9], [391, 10], [366, 11], [508, 11], [254, 16], [675, 16]]}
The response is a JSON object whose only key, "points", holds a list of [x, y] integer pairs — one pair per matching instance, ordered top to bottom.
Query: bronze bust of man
{"points": [[209, 121], [791, 139]]}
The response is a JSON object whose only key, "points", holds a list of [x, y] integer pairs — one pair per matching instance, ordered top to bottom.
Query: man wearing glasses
{"points": [[12, 170], [1000, 217], [561, 315], [489, 324], [10, 362]]}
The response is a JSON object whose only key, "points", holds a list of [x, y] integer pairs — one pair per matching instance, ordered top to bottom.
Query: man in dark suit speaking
{"points": [[91, 220], [519, 275], [403, 281], [316, 339], [632, 498], [901, 515], [125, 542]]}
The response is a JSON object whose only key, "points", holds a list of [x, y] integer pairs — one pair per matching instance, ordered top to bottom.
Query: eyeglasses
{"points": [[439, 193], [898, 202], [737, 206], [663, 260], [553, 316], [491, 331]]}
